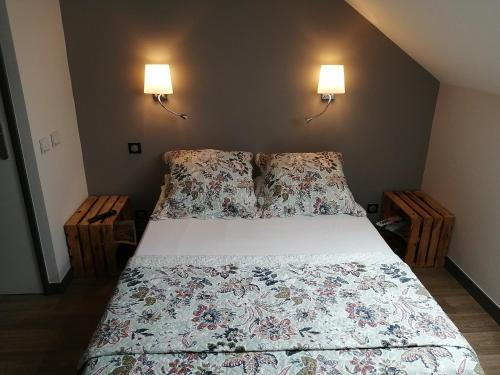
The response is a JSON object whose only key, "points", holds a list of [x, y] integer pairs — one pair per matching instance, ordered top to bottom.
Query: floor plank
{"points": [[482, 332], [47, 334]]}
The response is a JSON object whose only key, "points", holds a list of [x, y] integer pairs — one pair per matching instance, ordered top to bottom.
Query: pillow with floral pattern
{"points": [[209, 184], [305, 184]]}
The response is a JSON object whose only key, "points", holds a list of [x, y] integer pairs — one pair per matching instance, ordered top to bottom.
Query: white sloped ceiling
{"points": [[458, 41]]}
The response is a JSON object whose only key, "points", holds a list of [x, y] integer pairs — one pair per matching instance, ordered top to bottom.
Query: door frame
{"points": [[15, 141]]}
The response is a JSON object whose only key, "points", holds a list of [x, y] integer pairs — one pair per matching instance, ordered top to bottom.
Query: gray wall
{"points": [[246, 72]]}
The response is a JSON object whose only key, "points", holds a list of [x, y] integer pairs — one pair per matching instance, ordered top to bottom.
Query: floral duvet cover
{"points": [[274, 315]]}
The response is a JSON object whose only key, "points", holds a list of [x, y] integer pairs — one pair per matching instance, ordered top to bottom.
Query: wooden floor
{"points": [[482, 332], [47, 334]]}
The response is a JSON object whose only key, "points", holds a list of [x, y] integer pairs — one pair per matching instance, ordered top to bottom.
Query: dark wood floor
{"points": [[482, 332], [47, 334]]}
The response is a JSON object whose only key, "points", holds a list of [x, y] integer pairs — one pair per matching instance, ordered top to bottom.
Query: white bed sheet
{"points": [[349, 237]]}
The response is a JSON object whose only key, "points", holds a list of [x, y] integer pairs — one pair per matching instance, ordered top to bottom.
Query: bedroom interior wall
{"points": [[40, 50], [246, 72], [462, 171]]}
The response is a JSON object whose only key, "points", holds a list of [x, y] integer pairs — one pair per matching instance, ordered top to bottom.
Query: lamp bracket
{"points": [[160, 97], [163, 97], [327, 97]]}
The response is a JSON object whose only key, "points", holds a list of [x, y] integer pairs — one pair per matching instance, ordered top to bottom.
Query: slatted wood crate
{"points": [[430, 229], [90, 245]]}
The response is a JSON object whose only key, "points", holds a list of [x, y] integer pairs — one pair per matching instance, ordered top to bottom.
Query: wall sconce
{"points": [[157, 81], [331, 82]]}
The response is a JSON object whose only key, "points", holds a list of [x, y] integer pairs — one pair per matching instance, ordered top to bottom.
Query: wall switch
{"points": [[54, 138], [44, 145], [134, 148], [372, 208]]}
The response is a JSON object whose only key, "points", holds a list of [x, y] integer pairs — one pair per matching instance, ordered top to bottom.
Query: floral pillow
{"points": [[209, 184], [305, 184]]}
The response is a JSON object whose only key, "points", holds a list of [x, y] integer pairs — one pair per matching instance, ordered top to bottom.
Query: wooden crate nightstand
{"points": [[430, 226], [91, 246]]}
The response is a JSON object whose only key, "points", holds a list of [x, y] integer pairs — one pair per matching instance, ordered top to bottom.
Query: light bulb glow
{"points": [[157, 79], [331, 79]]}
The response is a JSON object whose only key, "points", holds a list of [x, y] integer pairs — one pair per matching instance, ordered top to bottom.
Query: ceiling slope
{"points": [[458, 41]]}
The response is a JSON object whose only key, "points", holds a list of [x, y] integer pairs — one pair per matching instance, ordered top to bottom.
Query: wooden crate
{"points": [[431, 226], [91, 247]]}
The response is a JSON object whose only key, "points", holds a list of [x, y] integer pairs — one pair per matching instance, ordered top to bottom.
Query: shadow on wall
{"points": [[246, 72]]}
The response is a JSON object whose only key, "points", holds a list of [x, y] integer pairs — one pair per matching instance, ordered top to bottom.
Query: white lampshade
{"points": [[157, 79], [331, 79]]}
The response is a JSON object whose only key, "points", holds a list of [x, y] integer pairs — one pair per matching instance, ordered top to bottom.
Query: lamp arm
{"points": [[181, 115], [310, 118]]}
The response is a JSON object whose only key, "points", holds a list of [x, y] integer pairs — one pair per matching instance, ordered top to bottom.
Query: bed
{"points": [[285, 295], [304, 295]]}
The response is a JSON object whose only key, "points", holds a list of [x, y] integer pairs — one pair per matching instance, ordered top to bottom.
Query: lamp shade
{"points": [[157, 79], [331, 79]]}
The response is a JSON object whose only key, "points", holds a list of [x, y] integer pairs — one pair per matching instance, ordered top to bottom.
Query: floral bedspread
{"points": [[274, 315]]}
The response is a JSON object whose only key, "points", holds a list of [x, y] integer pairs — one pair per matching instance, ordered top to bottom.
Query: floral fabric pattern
{"points": [[208, 184], [305, 184], [256, 316]]}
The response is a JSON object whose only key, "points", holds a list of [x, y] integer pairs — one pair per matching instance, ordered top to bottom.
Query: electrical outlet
{"points": [[134, 148], [372, 208], [141, 215]]}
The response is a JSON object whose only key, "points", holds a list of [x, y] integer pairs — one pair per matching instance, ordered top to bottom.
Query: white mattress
{"points": [[349, 237]]}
